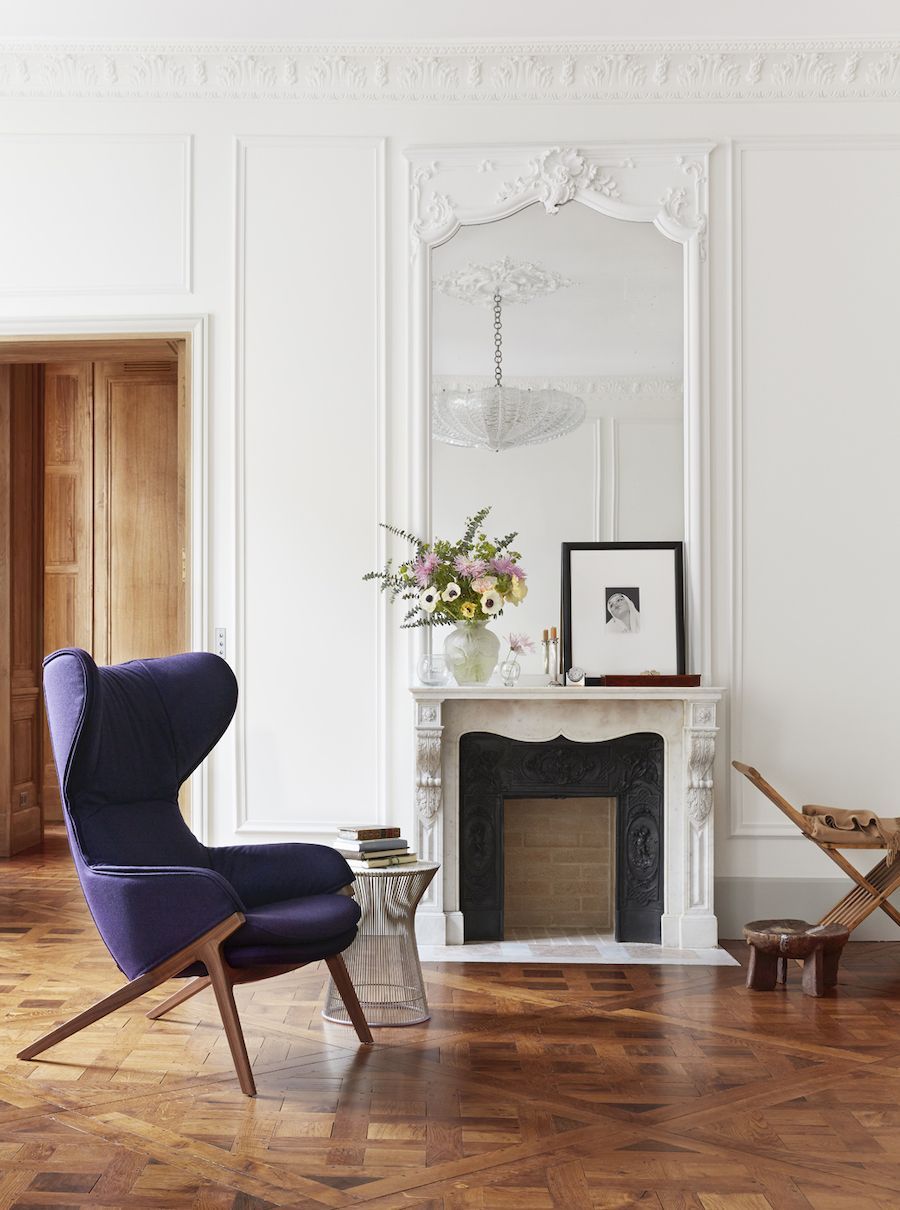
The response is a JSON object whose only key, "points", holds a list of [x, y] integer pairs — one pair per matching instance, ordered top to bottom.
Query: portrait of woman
{"points": [[622, 610]]}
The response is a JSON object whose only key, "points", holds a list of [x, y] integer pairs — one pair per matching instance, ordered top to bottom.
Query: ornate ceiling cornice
{"points": [[839, 70]]}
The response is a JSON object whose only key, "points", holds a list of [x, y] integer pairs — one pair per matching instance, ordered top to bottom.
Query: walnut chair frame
{"points": [[870, 891], [222, 978]]}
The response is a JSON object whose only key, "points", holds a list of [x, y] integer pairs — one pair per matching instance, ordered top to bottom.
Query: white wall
{"points": [[262, 204]]}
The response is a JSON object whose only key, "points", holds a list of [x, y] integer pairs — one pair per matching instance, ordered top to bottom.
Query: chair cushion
{"points": [[314, 919], [283, 955]]}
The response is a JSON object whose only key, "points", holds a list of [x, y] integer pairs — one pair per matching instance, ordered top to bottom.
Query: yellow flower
{"points": [[518, 591], [467, 609]]}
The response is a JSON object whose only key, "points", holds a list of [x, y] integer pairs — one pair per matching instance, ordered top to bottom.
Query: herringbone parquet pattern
{"points": [[532, 1087]]}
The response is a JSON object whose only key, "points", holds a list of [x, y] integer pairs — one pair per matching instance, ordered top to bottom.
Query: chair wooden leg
{"points": [[211, 956], [137, 987], [347, 992], [184, 993], [96, 1012]]}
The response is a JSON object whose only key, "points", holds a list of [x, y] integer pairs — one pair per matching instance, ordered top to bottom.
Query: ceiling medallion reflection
{"points": [[498, 417]]}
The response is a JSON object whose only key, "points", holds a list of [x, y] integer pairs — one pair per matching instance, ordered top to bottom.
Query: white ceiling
{"points": [[348, 20]]}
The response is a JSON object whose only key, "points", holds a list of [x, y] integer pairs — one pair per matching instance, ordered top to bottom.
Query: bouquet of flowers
{"points": [[470, 580]]}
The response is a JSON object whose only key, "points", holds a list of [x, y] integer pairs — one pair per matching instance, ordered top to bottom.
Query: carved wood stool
{"points": [[773, 942]]}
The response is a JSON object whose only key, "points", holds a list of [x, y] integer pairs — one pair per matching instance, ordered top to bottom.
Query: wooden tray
{"points": [[622, 682]]}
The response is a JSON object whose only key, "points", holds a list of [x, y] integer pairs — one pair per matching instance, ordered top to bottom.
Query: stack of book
{"points": [[369, 846]]}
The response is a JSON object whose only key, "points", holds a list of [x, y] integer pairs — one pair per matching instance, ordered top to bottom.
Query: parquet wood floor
{"points": [[532, 1087]]}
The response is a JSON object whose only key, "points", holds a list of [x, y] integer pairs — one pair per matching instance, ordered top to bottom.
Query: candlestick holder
{"points": [[545, 645], [554, 662]]}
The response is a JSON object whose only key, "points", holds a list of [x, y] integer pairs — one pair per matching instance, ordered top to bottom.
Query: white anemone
{"points": [[451, 592], [428, 598]]}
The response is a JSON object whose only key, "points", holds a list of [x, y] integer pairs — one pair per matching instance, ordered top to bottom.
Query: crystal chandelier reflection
{"points": [[498, 417]]}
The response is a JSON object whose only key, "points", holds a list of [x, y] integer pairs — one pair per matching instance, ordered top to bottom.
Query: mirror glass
{"points": [[606, 325]]}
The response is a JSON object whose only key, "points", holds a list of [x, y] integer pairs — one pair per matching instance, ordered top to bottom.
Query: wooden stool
{"points": [[773, 942]]}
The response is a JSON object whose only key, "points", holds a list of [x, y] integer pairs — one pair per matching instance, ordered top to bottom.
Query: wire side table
{"points": [[383, 961]]}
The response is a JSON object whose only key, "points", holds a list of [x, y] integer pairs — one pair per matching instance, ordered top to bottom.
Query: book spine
{"points": [[368, 833], [370, 846], [376, 855], [381, 862]]}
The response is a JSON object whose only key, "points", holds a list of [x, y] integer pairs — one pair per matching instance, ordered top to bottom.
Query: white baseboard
{"points": [[739, 900]]}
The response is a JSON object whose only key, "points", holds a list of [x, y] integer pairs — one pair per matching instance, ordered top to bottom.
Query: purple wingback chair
{"points": [[124, 739]]}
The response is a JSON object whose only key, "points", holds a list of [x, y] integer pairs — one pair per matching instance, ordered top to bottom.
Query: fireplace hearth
{"points": [[493, 768]]}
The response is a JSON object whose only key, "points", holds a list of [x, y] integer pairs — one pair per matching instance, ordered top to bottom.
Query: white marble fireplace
{"points": [[684, 718]]}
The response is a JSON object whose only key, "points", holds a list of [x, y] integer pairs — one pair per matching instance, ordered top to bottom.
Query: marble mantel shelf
{"points": [[568, 693], [686, 718]]}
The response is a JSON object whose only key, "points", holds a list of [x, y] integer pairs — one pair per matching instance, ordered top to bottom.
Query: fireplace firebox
{"points": [[630, 769]]}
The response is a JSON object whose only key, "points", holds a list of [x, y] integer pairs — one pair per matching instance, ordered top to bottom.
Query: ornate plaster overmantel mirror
{"points": [[622, 231], [655, 327]]}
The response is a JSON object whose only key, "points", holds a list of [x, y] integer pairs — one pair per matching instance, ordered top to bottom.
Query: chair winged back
{"points": [[124, 739]]}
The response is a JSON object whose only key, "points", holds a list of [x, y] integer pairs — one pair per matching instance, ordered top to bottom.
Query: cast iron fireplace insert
{"points": [[630, 769]]}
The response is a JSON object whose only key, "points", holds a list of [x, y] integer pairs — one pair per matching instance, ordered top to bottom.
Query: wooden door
{"points": [[114, 516], [68, 526], [139, 551], [20, 608]]}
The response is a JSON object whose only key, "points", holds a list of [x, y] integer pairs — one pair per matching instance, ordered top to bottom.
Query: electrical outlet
{"points": [[220, 641]]}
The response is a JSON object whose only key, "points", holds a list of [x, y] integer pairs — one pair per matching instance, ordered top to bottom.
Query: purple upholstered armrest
{"points": [[270, 873], [146, 914]]}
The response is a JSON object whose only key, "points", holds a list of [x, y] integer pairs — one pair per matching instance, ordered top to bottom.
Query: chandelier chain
{"points": [[498, 340]]}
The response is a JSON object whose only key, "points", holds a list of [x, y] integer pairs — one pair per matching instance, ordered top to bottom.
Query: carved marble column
{"points": [[429, 838], [698, 922]]}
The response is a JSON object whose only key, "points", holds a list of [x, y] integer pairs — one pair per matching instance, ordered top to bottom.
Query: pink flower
{"points": [[504, 566], [470, 568], [422, 569], [516, 572], [484, 584], [521, 644]]}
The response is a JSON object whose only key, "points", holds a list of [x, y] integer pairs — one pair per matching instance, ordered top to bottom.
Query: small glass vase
{"points": [[471, 652], [432, 670], [510, 671]]}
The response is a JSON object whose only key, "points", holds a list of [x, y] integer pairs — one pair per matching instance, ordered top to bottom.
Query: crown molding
{"points": [[823, 69]]}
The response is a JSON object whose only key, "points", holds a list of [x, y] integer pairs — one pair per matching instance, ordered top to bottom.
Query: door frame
{"points": [[193, 330]]}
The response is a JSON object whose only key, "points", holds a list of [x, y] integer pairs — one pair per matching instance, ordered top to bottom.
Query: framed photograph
{"points": [[623, 608]]}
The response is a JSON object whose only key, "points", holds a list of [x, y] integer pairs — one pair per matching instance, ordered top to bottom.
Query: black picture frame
{"points": [[642, 574]]}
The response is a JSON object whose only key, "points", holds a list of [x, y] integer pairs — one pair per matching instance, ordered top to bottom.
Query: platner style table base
{"points": [[383, 961]]}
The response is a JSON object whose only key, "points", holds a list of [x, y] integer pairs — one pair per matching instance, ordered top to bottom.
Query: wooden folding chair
{"points": [[871, 890]]}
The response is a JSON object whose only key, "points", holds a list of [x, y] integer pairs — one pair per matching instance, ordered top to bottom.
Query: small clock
{"points": [[575, 676]]}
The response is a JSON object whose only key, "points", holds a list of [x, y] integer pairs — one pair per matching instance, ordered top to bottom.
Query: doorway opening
{"points": [[94, 531]]}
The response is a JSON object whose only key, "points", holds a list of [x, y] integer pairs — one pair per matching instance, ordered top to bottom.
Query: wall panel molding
{"points": [[490, 71], [103, 229], [304, 516], [742, 824]]}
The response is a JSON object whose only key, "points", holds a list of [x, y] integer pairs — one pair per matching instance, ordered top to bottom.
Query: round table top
{"points": [[408, 867]]}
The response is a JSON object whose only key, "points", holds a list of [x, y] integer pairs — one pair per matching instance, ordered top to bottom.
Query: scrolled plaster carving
{"points": [[852, 69], [556, 176], [646, 186], [515, 281], [613, 388], [701, 755], [428, 776]]}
